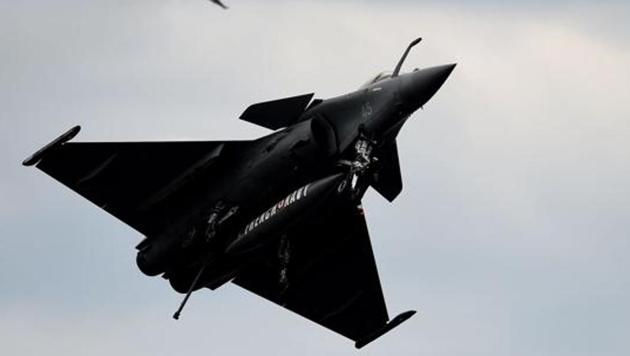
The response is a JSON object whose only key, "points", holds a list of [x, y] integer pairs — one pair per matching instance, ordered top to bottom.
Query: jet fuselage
{"points": [[241, 186]]}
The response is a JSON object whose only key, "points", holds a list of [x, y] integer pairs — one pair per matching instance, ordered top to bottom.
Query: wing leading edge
{"points": [[130, 180], [326, 272]]}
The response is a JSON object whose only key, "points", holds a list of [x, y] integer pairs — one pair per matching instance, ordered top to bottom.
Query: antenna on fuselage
{"points": [[404, 56]]}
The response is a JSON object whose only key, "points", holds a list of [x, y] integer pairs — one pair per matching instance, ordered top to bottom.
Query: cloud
{"points": [[510, 235]]}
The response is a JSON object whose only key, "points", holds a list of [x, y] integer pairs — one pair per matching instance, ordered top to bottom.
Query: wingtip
{"points": [[63, 138], [399, 319]]}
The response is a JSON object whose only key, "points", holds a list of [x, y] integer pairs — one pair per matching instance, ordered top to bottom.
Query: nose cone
{"points": [[418, 87]]}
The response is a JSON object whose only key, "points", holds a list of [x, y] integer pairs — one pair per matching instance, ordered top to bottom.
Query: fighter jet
{"points": [[279, 216]]}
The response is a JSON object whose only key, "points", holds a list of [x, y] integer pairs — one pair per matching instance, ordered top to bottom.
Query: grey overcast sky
{"points": [[512, 235]]}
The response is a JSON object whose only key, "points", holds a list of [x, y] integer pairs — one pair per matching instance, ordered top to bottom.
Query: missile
{"points": [[37, 156], [287, 212]]}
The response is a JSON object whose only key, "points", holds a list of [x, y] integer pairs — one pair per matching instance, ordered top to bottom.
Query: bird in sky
{"points": [[218, 2]]}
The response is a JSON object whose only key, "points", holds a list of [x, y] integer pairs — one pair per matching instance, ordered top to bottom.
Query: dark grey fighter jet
{"points": [[280, 215]]}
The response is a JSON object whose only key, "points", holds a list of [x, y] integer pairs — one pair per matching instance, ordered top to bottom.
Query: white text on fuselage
{"points": [[276, 208]]}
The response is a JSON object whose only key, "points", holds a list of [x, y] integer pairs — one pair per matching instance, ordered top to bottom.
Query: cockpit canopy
{"points": [[379, 77]]}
